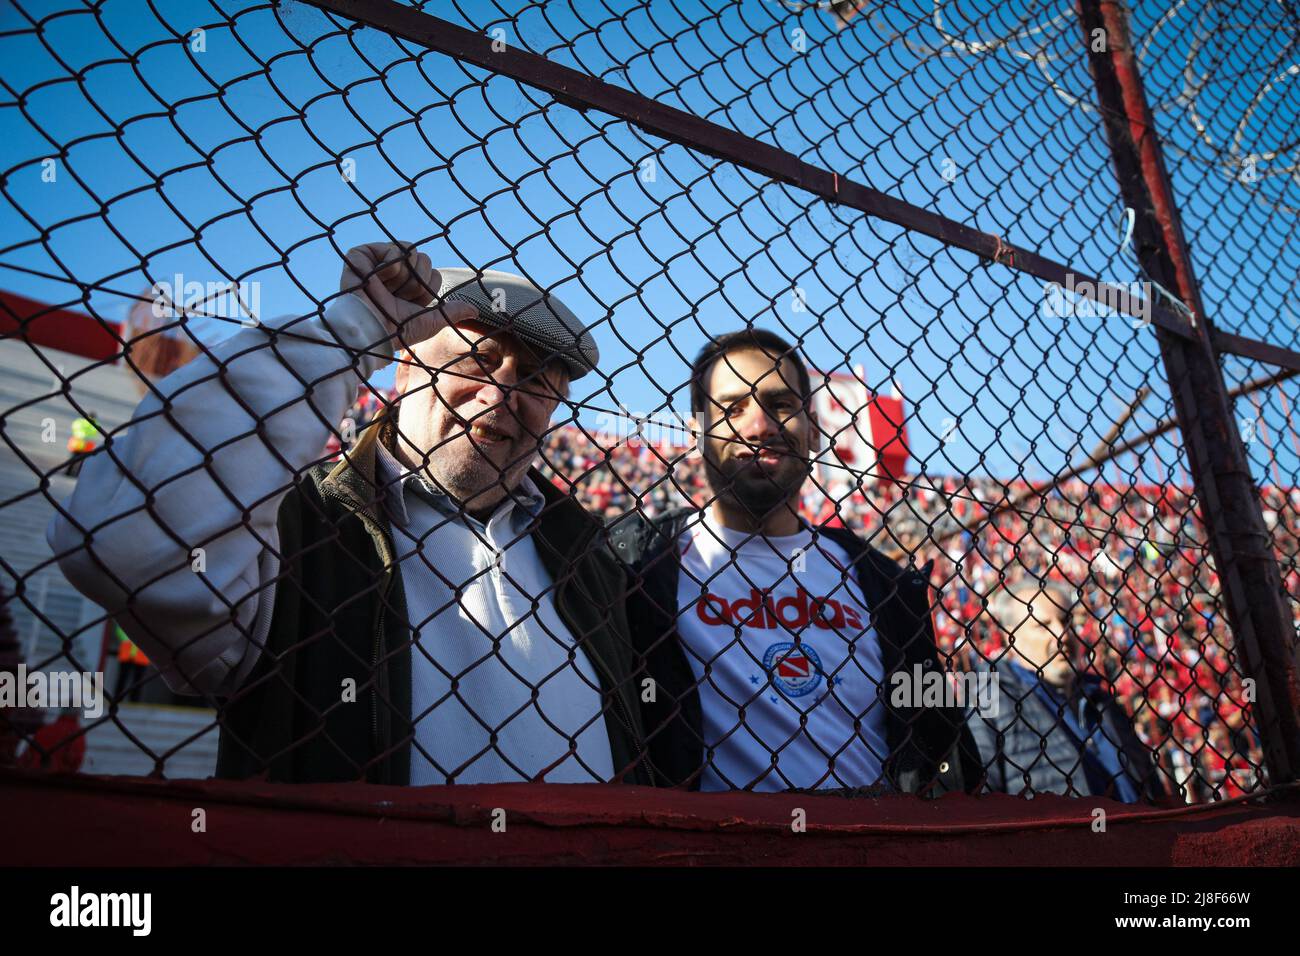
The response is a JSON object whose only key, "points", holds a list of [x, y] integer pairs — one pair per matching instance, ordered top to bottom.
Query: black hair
{"points": [[746, 338]]}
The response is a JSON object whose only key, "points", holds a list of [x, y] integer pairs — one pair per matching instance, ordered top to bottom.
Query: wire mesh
{"points": [[998, 578]]}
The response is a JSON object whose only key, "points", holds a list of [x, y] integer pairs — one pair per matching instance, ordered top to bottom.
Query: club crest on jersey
{"points": [[795, 669]]}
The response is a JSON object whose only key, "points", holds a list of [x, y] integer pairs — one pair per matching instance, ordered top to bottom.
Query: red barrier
{"points": [[55, 328], [92, 821]]}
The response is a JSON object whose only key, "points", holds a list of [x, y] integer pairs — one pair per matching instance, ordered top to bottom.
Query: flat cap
{"points": [[537, 318]]}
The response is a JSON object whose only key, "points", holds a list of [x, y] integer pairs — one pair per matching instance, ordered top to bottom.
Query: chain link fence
{"points": [[743, 396]]}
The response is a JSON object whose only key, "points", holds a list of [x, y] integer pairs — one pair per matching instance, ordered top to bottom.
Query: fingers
{"points": [[390, 264], [363, 269], [402, 269], [416, 281], [400, 285], [457, 313], [427, 322]]}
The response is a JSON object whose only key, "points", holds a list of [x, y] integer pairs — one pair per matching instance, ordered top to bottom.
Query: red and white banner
{"points": [[864, 435]]}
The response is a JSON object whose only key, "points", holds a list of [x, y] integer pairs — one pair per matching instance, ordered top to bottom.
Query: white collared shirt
{"points": [[505, 594]]}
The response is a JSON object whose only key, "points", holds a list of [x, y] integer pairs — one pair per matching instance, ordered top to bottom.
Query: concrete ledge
{"points": [[80, 820]]}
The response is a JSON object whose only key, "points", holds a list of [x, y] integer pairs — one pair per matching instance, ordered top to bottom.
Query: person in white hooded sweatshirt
{"points": [[428, 610]]}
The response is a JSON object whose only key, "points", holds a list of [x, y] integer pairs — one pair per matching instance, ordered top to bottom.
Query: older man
{"points": [[428, 610], [1056, 731]]}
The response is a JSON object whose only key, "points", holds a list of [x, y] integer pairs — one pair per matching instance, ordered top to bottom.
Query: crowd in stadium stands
{"points": [[369, 402], [1148, 623]]}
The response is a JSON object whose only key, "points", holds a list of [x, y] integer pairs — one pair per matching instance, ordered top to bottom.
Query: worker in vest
{"points": [[84, 440], [131, 664]]}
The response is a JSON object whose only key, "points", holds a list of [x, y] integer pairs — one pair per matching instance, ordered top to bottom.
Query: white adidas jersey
{"points": [[781, 626]]}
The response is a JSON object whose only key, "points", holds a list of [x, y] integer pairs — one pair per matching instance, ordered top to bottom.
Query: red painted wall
{"points": [[50, 327], [88, 821]]}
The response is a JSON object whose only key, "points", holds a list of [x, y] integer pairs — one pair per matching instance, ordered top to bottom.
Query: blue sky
{"points": [[218, 166]]}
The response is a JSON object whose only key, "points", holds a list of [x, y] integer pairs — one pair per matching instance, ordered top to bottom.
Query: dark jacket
{"points": [[340, 613], [1029, 747], [930, 749]]}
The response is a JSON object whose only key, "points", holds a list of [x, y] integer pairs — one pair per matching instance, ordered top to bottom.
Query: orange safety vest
{"points": [[84, 433], [128, 653]]}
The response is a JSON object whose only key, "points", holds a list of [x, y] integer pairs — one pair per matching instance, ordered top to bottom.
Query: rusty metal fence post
{"points": [[1238, 537]]}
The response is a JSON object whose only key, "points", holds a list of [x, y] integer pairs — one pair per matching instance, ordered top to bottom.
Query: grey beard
{"points": [[474, 479], [467, 481]]}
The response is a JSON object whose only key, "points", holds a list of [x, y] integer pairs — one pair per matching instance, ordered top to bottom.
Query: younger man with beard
{"points": [[770, 643]]}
